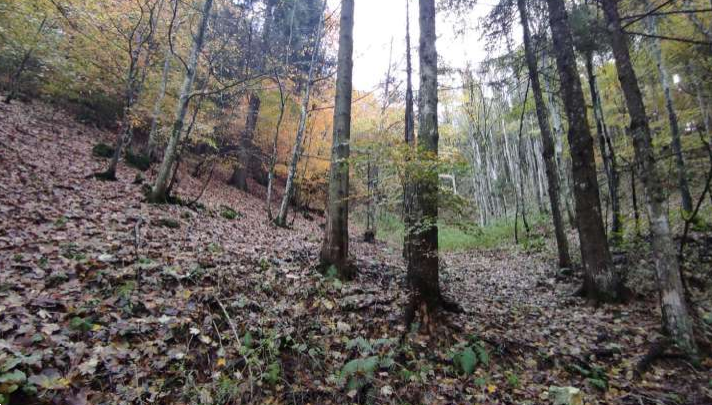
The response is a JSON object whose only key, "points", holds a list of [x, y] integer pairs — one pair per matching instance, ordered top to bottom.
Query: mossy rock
{"points": [[102, 150], [138, 161]]}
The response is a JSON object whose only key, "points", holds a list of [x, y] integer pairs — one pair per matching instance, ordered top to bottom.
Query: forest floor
{"points": [[105, 299]]}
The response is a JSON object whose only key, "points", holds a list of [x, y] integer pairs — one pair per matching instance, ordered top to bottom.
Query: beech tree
{"points": [[158, 192], [281, 219], [335, 249], [601, 283], [676, 318]]}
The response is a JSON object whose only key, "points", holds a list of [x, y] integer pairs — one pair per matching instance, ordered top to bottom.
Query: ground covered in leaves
{"points": [[105, 299]]}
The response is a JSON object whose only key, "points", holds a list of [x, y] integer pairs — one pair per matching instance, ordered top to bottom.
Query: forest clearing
{"points": [[239, 202]]}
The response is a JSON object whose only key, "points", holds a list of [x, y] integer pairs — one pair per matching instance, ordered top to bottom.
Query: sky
{"points": [[376, 22]]}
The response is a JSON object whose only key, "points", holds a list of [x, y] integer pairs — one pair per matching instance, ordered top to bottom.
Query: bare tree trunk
{"points": [[657, 52], [126, 126], [409, 138], [547, 138], [275, 140], [247, 148], [607, 154], [246, 164], [561, 164], [158, 193], [281, 219], [335, 250], [423, 266], [601, 283], [676, 319]]}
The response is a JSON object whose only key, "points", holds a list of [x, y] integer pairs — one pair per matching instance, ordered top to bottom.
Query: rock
{"points": [[106, 258], [566, 395]]}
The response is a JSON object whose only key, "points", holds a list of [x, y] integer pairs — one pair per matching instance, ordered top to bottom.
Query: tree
{"points": [[137, 37], [590, 37], [656, 50], [409, 138], [547, 138], [246, 151], [158, 193], [281, 219], [335, 250], [423, 260], [601, 283], [676, 319]]}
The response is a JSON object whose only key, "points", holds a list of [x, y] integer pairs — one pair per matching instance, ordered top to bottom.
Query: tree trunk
{"points": [[672, 115], [126, 134], [558, 134], [409, 138], [547, 139], [275, 141], [247, 148], [607, 155], [158, 193], [281, 219], [335, 250], [423, 266], [601, 283], [676, 319]]}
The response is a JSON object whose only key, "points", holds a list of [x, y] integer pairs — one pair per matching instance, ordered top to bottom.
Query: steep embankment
{"points": [[105, 299]]}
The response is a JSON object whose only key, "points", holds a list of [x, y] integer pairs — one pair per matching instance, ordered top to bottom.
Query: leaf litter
{"points": [[101, 304]]}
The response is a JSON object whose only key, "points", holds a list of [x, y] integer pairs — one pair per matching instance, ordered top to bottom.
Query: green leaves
{"points": [[467, 357], [466, 360], [356, 373], [11, 381]]}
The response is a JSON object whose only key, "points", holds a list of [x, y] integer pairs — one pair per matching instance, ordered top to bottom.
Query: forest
{"points": [[218, 202]]}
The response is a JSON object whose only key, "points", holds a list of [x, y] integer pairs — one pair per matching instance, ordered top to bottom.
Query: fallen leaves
{"points": [[228, 309]]}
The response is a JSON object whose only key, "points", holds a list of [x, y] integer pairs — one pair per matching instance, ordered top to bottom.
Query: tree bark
{"points": [[657, 52], [409, 138], [547, 139], [247, 148], [158, 192], [335, 250], [423, 266], [601, 283], [676, 319]]}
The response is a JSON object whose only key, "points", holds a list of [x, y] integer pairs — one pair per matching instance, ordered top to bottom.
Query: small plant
{"points": [[102, 150], [229, 213], [61, 221], [80, 324], [374, 355], [466, 356], [512, 379]]}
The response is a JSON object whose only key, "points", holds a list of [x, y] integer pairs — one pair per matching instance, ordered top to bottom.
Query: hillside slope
{"points": [[105, 299]]}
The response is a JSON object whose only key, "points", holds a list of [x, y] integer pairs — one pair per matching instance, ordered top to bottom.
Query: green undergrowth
{"points": [[463, 235]]}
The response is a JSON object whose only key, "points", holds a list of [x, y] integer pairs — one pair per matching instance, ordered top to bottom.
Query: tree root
{"points": [[657, 351]]}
